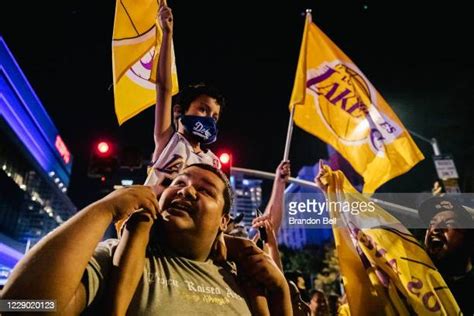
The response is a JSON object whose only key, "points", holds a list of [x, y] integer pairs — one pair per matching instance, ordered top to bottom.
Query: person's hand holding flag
{"points": [[165, 17], [321, 178]]}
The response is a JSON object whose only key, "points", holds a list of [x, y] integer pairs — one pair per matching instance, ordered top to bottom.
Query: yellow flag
{"points": [[135, 50], [336, 103], [384, 269]]}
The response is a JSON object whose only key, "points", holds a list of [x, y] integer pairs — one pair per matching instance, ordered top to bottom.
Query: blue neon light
{"points": [[25, 114], [9, 256]]}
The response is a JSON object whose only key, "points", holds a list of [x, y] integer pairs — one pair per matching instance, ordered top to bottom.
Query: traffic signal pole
{"points": [[432, 141], [444, 164], [269, 175]]}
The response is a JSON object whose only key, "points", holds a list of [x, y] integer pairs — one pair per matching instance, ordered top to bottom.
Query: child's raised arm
{"points": [[163, 125], [128, 262]]}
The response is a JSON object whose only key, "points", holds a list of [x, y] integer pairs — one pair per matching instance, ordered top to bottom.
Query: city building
{"points": [[35, 167], [247, 197]]}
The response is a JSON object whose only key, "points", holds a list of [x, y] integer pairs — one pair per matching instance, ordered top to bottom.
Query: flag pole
{"points": [[289, 134]]}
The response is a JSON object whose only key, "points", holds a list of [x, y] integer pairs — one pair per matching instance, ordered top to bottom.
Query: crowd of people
{"points": [[180, 251]]}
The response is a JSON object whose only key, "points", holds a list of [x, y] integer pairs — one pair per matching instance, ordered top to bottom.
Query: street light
{"points": [[444, 164]]}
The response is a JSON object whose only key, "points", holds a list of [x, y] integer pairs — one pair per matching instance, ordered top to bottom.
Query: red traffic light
{"points": [[104, 149], [224, 158], [103, 160]]}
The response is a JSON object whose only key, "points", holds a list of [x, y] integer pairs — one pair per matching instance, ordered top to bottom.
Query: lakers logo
{"points": [[140, 72], [347, 104]]}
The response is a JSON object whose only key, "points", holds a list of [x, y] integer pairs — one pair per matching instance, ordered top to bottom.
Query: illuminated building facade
{"points": [[35, 166], [247, 197]]}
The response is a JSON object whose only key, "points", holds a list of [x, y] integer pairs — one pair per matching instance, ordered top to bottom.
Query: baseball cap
{"points": [[432, 206]]}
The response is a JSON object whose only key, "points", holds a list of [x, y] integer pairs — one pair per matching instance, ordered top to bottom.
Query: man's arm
{"points": [[164, 86], [274, 209], [272, 244], [254, 264], [260, 267], [53, 268], [256, 298]]}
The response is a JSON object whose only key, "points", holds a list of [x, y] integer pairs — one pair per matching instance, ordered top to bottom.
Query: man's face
{"points": [[204, 105], [193, 204], [443, 238]]}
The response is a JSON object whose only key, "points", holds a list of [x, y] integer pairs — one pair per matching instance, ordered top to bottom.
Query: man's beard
{"points": [[449, 262]]}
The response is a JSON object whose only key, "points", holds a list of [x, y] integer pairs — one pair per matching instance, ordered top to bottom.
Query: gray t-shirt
{"points": [[169, 285]]}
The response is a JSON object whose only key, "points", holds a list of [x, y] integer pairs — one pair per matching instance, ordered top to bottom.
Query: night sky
{"points": [[416, 55]]}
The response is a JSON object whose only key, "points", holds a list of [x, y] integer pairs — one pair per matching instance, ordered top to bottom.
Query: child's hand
{"points": [[165, 17]]}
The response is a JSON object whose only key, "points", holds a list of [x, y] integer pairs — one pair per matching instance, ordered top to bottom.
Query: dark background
{"points": [[417, 54]]}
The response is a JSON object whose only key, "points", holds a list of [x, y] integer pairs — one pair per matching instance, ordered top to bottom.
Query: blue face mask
{"points": [[203, 128]]}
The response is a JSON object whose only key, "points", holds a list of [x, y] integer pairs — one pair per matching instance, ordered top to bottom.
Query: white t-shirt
{"points": [[177, 155]]}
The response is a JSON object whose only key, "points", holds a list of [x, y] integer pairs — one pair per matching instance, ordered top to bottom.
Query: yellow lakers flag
{"points": [[135, 50], [336, 103], [384, 269]]}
